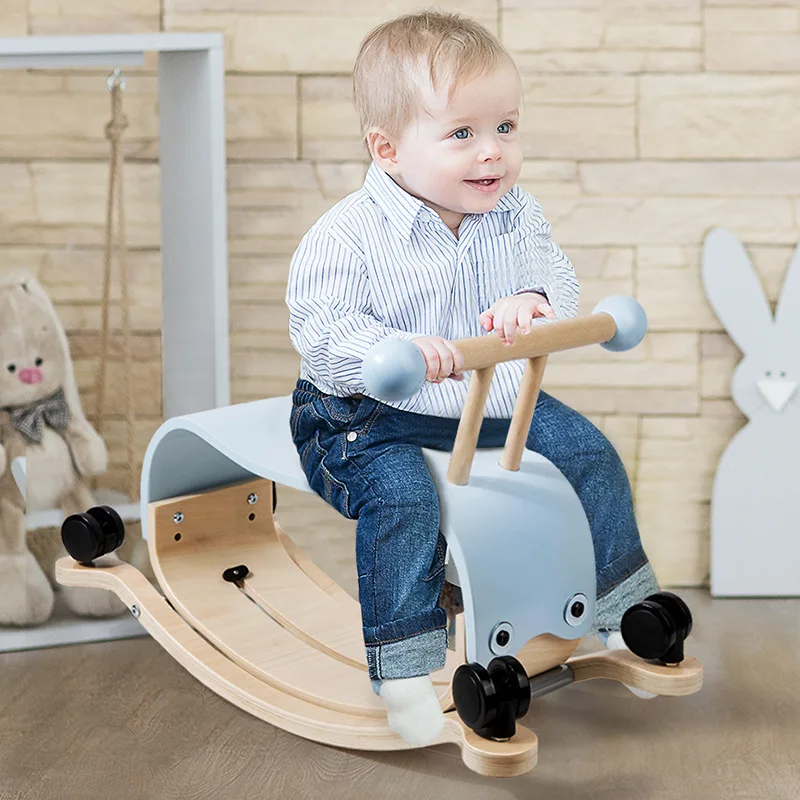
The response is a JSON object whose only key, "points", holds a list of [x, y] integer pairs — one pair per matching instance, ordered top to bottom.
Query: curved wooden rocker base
{"points": [[317, 719]]}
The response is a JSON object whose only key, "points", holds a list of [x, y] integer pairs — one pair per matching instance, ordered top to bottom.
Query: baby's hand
{"points": [[516, 311], [442, 358]]}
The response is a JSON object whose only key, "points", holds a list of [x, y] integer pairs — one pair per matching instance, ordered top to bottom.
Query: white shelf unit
{"points": [[195, 340]]}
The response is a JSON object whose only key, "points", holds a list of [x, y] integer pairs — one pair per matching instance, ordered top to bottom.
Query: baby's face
{"points": [[460, 157]]}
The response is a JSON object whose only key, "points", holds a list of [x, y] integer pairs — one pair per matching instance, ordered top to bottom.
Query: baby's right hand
{"points": [[442, 358]]}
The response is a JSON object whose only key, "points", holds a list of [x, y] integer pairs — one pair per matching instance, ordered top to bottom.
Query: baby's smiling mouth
{"points": [[484, 184]]}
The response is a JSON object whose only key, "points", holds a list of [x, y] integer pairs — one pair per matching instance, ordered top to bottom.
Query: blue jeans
{"points": [[365, 459]]}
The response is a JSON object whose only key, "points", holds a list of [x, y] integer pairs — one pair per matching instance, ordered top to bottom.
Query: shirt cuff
{"points": [[535, 289]]}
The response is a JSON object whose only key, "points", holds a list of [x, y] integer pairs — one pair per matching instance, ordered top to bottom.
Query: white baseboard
{"points": [[53, 517], [65, 628]]}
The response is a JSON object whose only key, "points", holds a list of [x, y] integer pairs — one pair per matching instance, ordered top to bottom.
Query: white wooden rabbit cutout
{"points": [[755, 503]]}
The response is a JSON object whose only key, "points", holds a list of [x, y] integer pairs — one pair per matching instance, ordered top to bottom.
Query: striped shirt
{"points": [[380, 263]]}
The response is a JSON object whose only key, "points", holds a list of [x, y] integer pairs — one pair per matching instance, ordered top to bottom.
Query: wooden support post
{"points": [[523, 413], [470, 426]]}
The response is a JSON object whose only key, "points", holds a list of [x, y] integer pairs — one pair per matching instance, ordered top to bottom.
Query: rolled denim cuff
{"points": [[634, 589], [404, 628], [408, 658]]}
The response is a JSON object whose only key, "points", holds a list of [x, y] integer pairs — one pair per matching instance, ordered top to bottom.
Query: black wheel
{"points": [[93, 534], [656, 628], [512, 682], [475, 696], [490, 700]]}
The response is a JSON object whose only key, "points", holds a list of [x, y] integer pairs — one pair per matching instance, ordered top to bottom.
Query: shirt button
{"points": [[352, 436]]}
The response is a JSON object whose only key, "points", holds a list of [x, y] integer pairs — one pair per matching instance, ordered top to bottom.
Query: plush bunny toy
{"points": [[41, 419], [755, 505]]}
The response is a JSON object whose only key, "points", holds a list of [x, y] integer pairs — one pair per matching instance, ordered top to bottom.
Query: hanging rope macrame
{"points": [[117, 245]]}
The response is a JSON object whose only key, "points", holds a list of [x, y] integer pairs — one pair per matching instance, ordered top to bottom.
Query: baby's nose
{"points": [[490, 152], [30, 375]]}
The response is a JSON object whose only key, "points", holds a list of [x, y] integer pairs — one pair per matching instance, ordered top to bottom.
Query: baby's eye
{"points": [[505, 127], [462, 133], [12, 368]]}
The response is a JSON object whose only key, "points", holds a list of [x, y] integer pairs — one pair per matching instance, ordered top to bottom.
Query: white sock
{"points": [[616, 642], [413, 709]]}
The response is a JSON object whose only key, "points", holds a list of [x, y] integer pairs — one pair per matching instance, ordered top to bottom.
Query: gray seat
{"points": [[518, 542]]}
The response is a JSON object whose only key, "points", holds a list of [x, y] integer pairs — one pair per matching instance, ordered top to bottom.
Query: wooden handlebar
{"points": [[551, 337], [483, 353]]}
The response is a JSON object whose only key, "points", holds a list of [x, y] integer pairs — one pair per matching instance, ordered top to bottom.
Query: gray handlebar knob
{"points": [[630, 319], [394, 369]]}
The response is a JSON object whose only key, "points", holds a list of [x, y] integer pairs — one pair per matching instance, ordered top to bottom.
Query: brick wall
{"points": [[647, 123]]}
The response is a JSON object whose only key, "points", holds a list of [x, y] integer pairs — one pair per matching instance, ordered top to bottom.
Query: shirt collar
{"points": [[510, 201], [402, 209]]}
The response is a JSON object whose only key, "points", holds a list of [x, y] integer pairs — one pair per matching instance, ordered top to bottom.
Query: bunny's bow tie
{"points": [[53, 409]]}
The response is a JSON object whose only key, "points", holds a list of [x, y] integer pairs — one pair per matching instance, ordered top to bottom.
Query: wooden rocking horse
{"points": [[252, 617]]}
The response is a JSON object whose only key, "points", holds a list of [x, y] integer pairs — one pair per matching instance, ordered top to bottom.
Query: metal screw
{"points": [[252, 499], [177, 517], [135, 610], [501, 638]]}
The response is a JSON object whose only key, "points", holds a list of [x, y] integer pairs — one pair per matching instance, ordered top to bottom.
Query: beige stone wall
{"points": [[647, 123]]}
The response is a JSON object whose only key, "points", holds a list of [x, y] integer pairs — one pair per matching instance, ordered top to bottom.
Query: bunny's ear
{"points": [[16, 278], [735, 292], [787, 315]]}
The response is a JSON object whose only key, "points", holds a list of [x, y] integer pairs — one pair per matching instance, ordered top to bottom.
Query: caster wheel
{"points": [[93, 534], [656, 628], [490, 700]]}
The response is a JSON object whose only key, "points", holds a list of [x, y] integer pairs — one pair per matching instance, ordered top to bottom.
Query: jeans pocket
{"points": [[341, 409], [303, 420], [294, 421], [322, 481], [335, 492], [437, 565]]}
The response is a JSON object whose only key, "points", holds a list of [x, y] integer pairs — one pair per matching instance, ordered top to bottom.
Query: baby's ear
{"points": [[382, 149], [735, 291], [787, 314]]}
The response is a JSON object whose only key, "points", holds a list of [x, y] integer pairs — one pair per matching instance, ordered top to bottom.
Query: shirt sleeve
{"points": [[543, 266], [330, 319]]}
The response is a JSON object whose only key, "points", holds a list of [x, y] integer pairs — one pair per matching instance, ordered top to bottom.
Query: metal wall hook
{"points": [[116, 78]]}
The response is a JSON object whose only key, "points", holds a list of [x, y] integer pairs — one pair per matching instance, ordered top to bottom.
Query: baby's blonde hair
{"points": [[447, 48]]}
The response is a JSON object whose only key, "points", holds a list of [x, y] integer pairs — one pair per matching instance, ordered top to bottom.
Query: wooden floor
{"points": [[122, 721]]}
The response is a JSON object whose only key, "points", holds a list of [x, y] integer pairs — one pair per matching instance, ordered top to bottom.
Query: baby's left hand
{"points": [[516, 311]]}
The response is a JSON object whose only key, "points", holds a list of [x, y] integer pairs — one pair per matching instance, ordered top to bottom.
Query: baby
{"points": [[439, 244]]}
